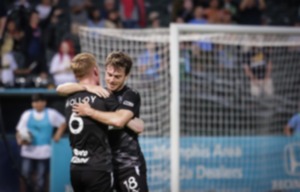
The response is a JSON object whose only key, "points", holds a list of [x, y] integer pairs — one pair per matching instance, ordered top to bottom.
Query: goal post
{"points": [[174, 110]]}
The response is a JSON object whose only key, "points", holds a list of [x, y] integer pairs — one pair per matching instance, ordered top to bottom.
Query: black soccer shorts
{"points": [[131, 180], [91, 181]]}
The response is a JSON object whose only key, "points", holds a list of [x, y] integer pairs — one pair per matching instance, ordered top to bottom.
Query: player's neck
{"points": [[87, 82], [121, 88]]}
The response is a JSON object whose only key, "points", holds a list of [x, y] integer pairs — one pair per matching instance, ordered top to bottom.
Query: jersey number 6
{"points": [[79, 120]]}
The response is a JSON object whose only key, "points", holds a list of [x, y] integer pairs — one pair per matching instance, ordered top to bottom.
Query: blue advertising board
{"points": [[235, 164], [60, 166]]}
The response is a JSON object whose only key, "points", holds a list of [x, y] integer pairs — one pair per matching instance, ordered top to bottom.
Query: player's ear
{"points": [[96, 72]]}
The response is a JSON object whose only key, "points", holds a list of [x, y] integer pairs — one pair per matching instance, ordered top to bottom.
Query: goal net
{"points": [[235, 89]]}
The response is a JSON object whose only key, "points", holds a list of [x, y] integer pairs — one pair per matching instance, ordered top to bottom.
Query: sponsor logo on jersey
{"points": [[128, 103], [80, 156], [78, 160]]}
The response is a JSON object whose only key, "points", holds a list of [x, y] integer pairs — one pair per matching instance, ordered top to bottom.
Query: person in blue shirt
{"points": [[149, 62], [293, 125], [34, 135]]}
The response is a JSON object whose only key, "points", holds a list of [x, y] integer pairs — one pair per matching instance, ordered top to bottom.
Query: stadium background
{"points": [[62, 25]]}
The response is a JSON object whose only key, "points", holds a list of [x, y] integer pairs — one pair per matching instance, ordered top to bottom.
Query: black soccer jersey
{"points": [[88, 138], [124, 142]]}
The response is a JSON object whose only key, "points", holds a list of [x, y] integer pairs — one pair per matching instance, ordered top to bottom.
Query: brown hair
{"points": [[119, 59], [82, 64]]}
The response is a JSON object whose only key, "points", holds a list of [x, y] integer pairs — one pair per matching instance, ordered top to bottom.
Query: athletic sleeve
{"points": [[131, 101], [111, 103], [56, 119], [293, 121], [22, 124]]}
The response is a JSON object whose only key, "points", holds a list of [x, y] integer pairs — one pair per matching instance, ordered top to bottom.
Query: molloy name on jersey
{"points": [[73, 101]]}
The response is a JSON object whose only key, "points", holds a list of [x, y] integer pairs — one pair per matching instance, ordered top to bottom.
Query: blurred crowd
{"points": [[244, 12], [40, 37]]}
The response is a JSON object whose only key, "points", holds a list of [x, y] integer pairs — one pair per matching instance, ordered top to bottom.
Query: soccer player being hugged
{"points": [[128, 160]]}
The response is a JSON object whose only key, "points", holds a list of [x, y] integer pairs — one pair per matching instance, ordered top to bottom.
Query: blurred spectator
{"points": [[22, 3], [109, 5], [230, 6], [44, 9], [47, 9], [79, 10], [20, 12], [199, 12], [213, 12], [251, 12], [3, 13], [133, 13], [186, 13], [198, 16], [226, 17], [95, 19], [113, 20], [154, 20], [179, 20], [56, 28], [16, 35], [7, 41], [35, 48], [227, 57], [185, 61], [199, 61], [149, 62], [8, 63], [61, 63], [8, 67], [258, 68], [293, 125], [34, 134]]}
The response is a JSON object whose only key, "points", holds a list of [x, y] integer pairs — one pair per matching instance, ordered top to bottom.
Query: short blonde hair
{"points": [[82, 64]]}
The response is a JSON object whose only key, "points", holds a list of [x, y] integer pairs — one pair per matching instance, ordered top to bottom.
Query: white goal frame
{"points": [[175, 30]]}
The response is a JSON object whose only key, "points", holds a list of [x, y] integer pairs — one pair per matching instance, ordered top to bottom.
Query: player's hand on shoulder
{"points": [[98, 90], [82, 109]]}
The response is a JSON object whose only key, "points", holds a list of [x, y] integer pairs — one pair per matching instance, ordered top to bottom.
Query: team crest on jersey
{"points": [[120, 98]]}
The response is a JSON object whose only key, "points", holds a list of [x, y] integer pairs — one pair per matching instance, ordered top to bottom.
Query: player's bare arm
{"points": [[70, 88], [118, 118], [136, 125]]}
